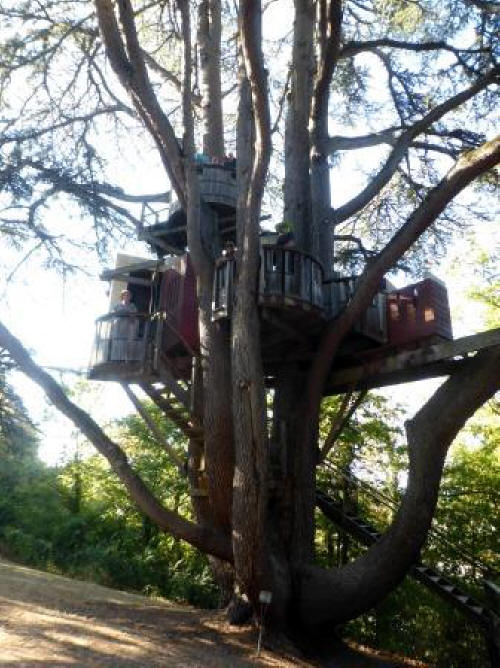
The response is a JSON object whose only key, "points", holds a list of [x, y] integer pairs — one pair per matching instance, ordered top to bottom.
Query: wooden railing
{"points": [[290, 274], [287, 278], [373, 322], [121, 337]]}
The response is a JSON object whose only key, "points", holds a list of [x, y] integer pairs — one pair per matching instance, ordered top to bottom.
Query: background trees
{"points": [[138, 65]]}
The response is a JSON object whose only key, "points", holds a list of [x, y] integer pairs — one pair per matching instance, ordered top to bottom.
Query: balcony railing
{"points": [[290, 274], [287, 278], [373, 322], [121, 337]]}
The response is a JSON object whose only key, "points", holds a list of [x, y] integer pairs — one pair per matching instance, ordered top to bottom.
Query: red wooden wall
{"points": [[178, 300], [418, 311]]}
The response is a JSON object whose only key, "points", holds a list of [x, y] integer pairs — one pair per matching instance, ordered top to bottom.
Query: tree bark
{"points": [[329, 36], [209, 45], [297, 188], [249, 405]]}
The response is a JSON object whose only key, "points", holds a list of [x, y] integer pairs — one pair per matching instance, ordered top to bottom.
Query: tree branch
{"points": [[330, 35], [352, 48], [133, 76], [388, 136], [19, 137], [403, 143], [466, 169], [340, 421], [200, 537], [340, 594]]}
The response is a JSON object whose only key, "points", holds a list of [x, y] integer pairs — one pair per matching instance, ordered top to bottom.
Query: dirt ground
{"points": [[50, 620]]}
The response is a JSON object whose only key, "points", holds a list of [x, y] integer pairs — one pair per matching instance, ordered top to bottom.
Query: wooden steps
{"points": [[174, 410], [428, 576]]}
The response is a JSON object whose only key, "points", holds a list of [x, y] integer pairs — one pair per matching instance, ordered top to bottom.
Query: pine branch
{"points": [[404, 142]]}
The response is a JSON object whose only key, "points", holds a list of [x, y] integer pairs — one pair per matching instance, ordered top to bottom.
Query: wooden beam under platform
{"points": [[380, 367]]}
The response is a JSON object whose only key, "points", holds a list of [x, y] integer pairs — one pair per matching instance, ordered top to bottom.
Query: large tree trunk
{"points": [[297, 191], [202, 235], [294, 467]]}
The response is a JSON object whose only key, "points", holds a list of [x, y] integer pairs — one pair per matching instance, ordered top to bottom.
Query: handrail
{"points": [[292, 273], [120, 314], [120, 337], [435, 532]]}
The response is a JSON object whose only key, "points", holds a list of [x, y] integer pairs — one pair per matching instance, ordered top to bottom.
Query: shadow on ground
{"points": [[50, 620]]}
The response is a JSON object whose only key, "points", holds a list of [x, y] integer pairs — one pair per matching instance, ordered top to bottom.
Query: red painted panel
{"points": [[178, 300], [418, 311], [189, 314]]}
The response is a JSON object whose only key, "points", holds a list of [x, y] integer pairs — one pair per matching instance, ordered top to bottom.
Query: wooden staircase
{"points": [[173, 398], [174, 409], [365, 533]]}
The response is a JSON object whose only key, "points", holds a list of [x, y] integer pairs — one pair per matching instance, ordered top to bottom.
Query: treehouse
{"points": [[217, 182], [294, 303], [160, 329]]}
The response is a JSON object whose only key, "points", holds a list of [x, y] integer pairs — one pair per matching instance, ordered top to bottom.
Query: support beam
{"points": [[430, 360]]}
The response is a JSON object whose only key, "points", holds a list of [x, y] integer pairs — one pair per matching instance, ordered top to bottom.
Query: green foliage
{"points": [[77, 519], [412, 621]]}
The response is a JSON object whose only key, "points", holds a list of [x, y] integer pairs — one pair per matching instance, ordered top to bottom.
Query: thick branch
{"points": [[330, 21], [251, 42], [209, 44], [353, 48], [131, 71], [389, 136], [404, 142], [341, 143], [467, 168], [249, 407], [200, 537], [338, 595]]}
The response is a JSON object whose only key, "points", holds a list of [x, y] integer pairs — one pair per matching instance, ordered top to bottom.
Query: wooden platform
{"points": [[380, 368], [120, 371]]}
